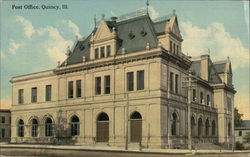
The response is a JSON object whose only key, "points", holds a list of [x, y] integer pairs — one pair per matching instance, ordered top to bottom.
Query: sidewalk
{"points": [[118, 149]]}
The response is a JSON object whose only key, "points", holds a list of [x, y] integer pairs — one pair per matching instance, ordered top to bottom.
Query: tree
{"points": [[237, 117], [247, 137]]}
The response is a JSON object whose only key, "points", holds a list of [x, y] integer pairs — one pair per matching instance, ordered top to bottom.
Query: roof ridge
{"points": [[131, 19], [220, 62]]}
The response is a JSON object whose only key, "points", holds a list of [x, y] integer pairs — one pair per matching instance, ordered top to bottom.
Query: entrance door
{"points": [[135, 127], [102, 128]]}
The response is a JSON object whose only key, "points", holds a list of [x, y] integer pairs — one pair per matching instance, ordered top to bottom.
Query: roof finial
{"points": [[147, 4], [174, 12], [95, 20], [208, 50], [228, 59]]}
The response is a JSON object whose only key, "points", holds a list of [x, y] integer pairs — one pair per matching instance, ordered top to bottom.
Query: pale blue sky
{"points": [[31, 52]]}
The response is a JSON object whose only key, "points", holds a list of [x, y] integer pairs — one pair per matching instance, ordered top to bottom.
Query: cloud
{"points": [[152, 12], [70, 26], [28, 27], [51, 41], [197, 41], [55, 45], [13, 47]]}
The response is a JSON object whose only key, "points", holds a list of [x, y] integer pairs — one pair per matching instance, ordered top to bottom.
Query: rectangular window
{"points": [[171, 46], [174, 47], [108, 50], [177, 51], [102, 52], [96, 53], [140, 80], [130, 81], [171, 81], [176, 83], [107, 84], [98, 85], [78, 88], [70, 89], [48, 93], [34, 94], [194, 94], [20, 96], [201, 97], [208, 99], [3, 119], [3, 133], [240, 133]]}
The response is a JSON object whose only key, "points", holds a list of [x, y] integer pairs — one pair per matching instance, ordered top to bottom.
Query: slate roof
{"points": [[136, 26], [160, 27], [82, 48], [220, 66], [196, 68], [212, 72], [245, 125]]}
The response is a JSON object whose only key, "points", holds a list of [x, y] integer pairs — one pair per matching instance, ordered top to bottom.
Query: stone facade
{"points": [[126, 85], [5, 126], [241, 132]]}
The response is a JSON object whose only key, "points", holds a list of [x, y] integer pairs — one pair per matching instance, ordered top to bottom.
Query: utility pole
{"points": [[189, 111]]}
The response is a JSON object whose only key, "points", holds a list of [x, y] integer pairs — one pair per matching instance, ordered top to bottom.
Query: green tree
{"points": [[237, 117], [246, 138]]}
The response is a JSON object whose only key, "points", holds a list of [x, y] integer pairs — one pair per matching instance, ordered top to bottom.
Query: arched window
{"points": [[174, 124], [75, 126], [192, 126], [34, 127], [48, 127], [135, 127], [200, 127], [207, 127], [20, 128], [102, 128], [213, 128], [229, 129]]}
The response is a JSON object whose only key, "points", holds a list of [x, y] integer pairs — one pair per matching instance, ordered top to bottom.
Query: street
{"points": [[81, 153]]}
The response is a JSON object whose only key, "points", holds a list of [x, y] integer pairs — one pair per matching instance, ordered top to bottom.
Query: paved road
{"points": [[113, 154]]}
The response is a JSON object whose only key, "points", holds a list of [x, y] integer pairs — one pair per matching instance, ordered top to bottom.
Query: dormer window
{"points": [[143, 32], [131, 35], [81, 47]]}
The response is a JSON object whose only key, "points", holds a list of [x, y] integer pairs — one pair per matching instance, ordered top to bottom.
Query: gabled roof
{"points": [[143, 29]]}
